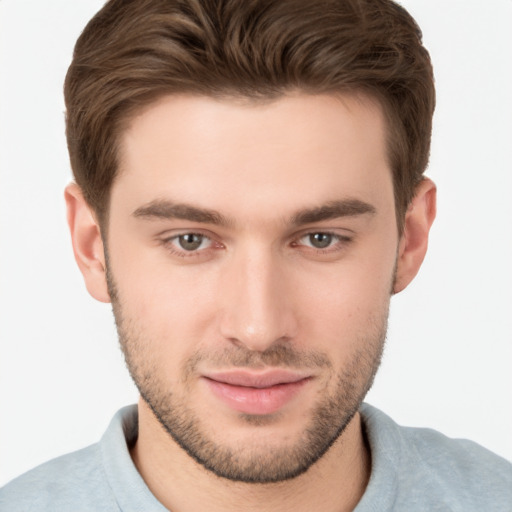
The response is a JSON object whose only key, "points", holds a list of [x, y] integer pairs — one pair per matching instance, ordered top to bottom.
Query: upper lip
{"points": [[253, 379]]}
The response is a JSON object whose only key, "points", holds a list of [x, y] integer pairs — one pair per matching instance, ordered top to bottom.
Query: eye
{"points": [[320, 240], [190, 242], [323, 243]]}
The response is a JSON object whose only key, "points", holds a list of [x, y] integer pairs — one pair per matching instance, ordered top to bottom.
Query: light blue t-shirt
{"points": [[412, 470]]}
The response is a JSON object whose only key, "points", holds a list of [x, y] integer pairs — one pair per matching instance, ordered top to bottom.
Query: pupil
{"points": [[320, 240], [190, 241]]}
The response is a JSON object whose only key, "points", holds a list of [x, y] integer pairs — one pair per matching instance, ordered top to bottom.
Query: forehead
{"points": [[246, 157]]}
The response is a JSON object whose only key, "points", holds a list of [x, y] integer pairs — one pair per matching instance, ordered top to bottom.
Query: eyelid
{"points": [[169, 234], [345, 234], [168, 238], [204, 240], [341, 240]]}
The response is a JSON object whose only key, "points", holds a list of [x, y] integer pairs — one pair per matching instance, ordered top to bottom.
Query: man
{"points": [[249, 194]]}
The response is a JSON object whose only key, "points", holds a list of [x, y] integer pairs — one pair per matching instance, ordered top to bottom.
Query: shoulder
{"points": [[429, 467], [461, 468], [75, 481]]}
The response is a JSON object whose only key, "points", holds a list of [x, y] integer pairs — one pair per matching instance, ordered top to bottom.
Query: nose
{"points": [[257, 309]]}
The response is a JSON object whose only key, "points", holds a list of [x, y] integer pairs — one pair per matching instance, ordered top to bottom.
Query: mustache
{"points": [[279, 355]]}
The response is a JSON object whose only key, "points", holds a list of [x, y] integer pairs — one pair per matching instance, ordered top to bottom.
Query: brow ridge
{"points": [[166, 209], [333, 210]]}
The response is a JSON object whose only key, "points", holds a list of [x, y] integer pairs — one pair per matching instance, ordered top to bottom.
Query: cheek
{"points": [[346, 303], [170, 305]]}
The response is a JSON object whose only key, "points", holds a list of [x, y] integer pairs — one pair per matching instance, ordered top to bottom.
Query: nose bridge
{"points": [[258, 310]]}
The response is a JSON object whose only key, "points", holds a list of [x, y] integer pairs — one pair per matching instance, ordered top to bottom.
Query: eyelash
{"points": [[340, 242], [183, 253]]}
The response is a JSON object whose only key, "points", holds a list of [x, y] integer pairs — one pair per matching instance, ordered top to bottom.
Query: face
{"points": [[251, 254]]}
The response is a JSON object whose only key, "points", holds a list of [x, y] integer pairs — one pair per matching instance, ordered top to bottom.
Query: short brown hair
{"points": [[134, 51]]}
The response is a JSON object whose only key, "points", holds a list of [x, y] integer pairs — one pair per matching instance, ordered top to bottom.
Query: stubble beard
{"points": [[253, 464]]}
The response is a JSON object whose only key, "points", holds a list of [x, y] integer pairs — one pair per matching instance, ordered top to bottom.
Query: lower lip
{"points": [[256, 400]]}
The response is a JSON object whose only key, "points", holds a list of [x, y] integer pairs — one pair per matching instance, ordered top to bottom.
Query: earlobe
{"points": [[414, 241], [87, 243]]}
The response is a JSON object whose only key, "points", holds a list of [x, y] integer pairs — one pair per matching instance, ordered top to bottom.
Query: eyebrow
{"points": [[164, 209], [167, 210], [333, 210]]}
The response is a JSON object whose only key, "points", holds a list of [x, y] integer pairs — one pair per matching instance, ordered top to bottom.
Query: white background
{"points": [[448, 358]]}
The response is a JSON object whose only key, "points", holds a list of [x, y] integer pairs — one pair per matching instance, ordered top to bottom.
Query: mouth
{"points": [[256, 393]]}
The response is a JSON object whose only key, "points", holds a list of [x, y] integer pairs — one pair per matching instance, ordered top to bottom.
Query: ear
{"points": [[414, 241], [87, 243]]}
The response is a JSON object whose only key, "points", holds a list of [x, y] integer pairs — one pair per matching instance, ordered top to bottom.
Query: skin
{"points": [[256, 287]]}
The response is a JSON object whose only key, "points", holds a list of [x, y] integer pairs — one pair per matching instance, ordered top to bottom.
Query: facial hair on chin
{"points": [[252, 464]]}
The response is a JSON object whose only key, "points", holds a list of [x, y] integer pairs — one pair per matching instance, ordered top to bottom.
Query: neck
{"points": [[334, 483]]}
